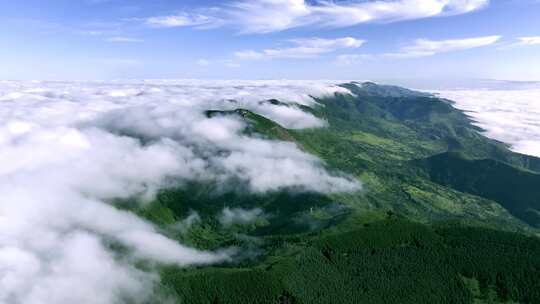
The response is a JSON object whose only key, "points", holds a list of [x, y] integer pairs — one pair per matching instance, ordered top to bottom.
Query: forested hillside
{"points": [[445, 215]]}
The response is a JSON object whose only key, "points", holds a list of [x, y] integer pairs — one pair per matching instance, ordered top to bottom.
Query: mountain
{"points": [[445, 215]]}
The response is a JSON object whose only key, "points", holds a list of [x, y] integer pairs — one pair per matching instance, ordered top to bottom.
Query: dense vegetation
{"points": [[515, 189], [446, 215], [392, 261]]}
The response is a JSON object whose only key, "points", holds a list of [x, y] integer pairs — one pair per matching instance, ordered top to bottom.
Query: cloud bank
{"points": [[265, 16], [510, 116], [67, 149]]}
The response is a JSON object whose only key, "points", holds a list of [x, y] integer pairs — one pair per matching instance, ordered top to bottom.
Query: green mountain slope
{"points": [[375, 137], [515, 189], [426, 228], [392, 261]]}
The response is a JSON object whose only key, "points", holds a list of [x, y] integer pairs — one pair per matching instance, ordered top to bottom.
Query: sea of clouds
{"points": [[506, 112], [68, 149]]}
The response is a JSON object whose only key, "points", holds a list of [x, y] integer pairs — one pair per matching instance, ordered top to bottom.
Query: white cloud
{"points": [[275, 15], [264, 16], [179, 20], [93, 32], [124, 39], [531, 40], [521, 42], [331, 44], [426, 47], [304, 48], [422, 48], [510, 116], [68, 149], [55, 181], [184, 225]]}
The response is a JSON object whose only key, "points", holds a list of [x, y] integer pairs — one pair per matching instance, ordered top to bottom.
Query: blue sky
{"points": [[262, 39]]}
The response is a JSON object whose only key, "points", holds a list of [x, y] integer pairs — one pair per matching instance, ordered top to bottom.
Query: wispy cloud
{"points": [[276, 15], [264, 16], [180, 20], [94, 32], [122, 39], [531, 40], [520, 42], [426, 47], [304, 48], [421, 48]]}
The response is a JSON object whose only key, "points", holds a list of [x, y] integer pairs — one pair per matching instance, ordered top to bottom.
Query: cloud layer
{"points": [[510, 116], [68, 149]]}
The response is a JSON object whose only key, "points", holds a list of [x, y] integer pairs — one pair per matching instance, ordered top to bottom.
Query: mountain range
{"points": [[444, 214]]}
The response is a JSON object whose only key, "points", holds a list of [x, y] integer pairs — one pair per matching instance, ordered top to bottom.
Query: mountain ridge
{"points": [[403, 146]]}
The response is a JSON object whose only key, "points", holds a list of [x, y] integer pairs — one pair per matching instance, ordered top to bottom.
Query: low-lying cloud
{"points": [[510, 116], [68, 149], [239, 216], [184, 225]]}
